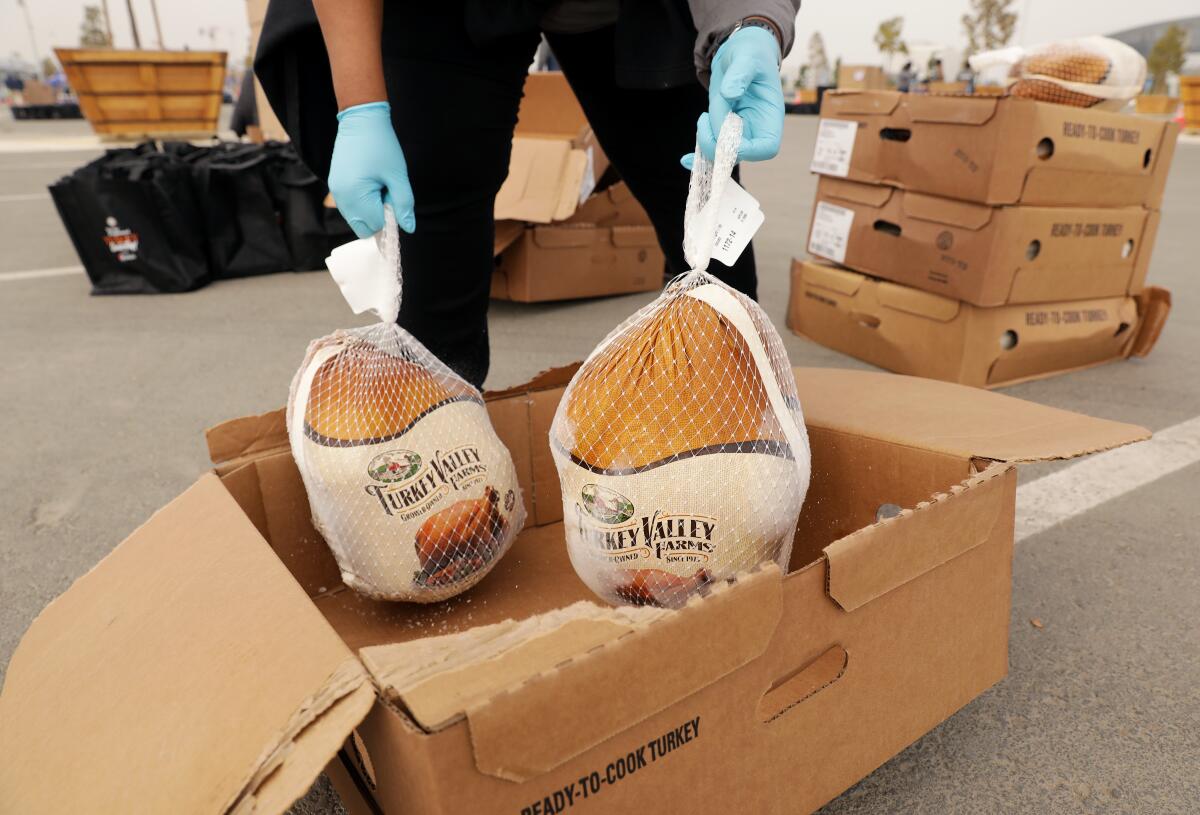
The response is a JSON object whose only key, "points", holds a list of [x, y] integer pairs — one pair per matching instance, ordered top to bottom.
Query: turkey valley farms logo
{"points": [[121, 242], [409, 485], [620, 537]]}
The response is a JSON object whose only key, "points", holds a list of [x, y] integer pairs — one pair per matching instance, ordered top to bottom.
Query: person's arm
{"points": [[716, 19], [739, 48], [368, 168]]}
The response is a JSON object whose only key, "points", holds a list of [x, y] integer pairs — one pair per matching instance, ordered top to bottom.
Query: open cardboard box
{"points": [[998, 150], [555, 159], [557, 239], [987, 256], [916, 332], [213, 662]]}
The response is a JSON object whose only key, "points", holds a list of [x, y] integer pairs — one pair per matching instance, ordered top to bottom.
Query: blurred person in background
{"points": [[905, 78], [416, 102]]}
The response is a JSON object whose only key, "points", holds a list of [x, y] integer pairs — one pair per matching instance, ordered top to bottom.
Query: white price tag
{"points": [[835, 145], [738, 218], [830, 231]]}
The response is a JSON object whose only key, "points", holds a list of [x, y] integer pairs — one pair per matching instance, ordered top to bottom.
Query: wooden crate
{"points": [[136, 92], [1189, 93]]}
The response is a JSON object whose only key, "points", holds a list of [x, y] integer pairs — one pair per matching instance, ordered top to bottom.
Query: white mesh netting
{"points": [[1084, 72], [680, 443], [407, 480]]}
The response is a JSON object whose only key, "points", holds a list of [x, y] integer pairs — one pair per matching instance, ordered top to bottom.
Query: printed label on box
{"points": [[835, 145], [738, 218], [830, 231]]}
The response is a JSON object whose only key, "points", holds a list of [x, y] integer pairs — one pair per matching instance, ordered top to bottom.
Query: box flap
{"points": [[850, 102], [549, 107], [952, 108], [538, 172], [871, 195], [612, 206], [947, 211], [507, 233], [575, 236], [623, 236], [842, 281], [921, 303], [1154, 304], [549, 378], [953, 419], [232, 443], [876, 559], [187, 672], [438, 679], [508, 731]]}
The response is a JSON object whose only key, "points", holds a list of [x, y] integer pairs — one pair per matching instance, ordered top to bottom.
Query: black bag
{"points": [[135, 222], [243, 222], [310, 229]]}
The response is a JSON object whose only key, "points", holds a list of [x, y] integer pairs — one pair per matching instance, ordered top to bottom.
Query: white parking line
{"points": [[24, 196], [32, 274], [1092, 481]]}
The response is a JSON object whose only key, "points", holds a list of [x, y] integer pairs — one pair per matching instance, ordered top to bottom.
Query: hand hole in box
{"points": [[895, 133], [1045, 148], [1146, 157], [887, 227], [1127, 248], [1033, 249], [1121, 329], [1008, 340], [794, 688]]}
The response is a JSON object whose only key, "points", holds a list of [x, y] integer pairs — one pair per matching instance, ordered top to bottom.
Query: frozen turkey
{"points": [[681, 448]]}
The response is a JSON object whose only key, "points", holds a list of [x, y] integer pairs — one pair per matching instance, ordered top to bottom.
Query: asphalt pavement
{"points": [[105, 400]]}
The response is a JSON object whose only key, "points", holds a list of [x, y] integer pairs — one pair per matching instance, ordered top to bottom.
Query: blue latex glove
{"points": [[745, 80], [368, 170]]}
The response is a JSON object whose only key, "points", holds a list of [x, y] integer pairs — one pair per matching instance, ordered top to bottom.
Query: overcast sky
{"points": [[846, 25]]}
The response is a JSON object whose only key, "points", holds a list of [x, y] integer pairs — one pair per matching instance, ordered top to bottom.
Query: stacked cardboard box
{"points": [[557, 236], [985, 240]]}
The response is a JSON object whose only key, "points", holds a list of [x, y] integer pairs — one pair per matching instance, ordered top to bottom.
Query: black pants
{"points": [[454, 107]]}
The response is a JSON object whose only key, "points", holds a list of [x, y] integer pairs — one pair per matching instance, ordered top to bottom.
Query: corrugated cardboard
{"points": [[861, 77], [1005, 150], [555, 158], [606, 247], [989, 256], [570, 262], [915, 332], [214, 662]]}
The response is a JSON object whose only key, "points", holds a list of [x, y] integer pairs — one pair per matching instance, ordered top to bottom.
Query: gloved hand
{"points": [[745, 80], [368, 170]]}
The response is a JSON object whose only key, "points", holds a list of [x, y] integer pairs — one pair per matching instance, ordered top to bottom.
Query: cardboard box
{"points": [[861, 77], [995, 150], [555, 160], [606, 247], [987, 256], [578, 260], [915, 332], [214, 663]]}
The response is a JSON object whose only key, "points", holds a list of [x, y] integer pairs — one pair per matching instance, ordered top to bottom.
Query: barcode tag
{"points": [[835, 145], [738, 218], [830, 231]]}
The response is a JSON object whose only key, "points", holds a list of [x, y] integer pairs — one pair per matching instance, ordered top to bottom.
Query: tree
{"points": [[989, 25], [93, 33], [887, 39], [1166, 57], [818, 61]]}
